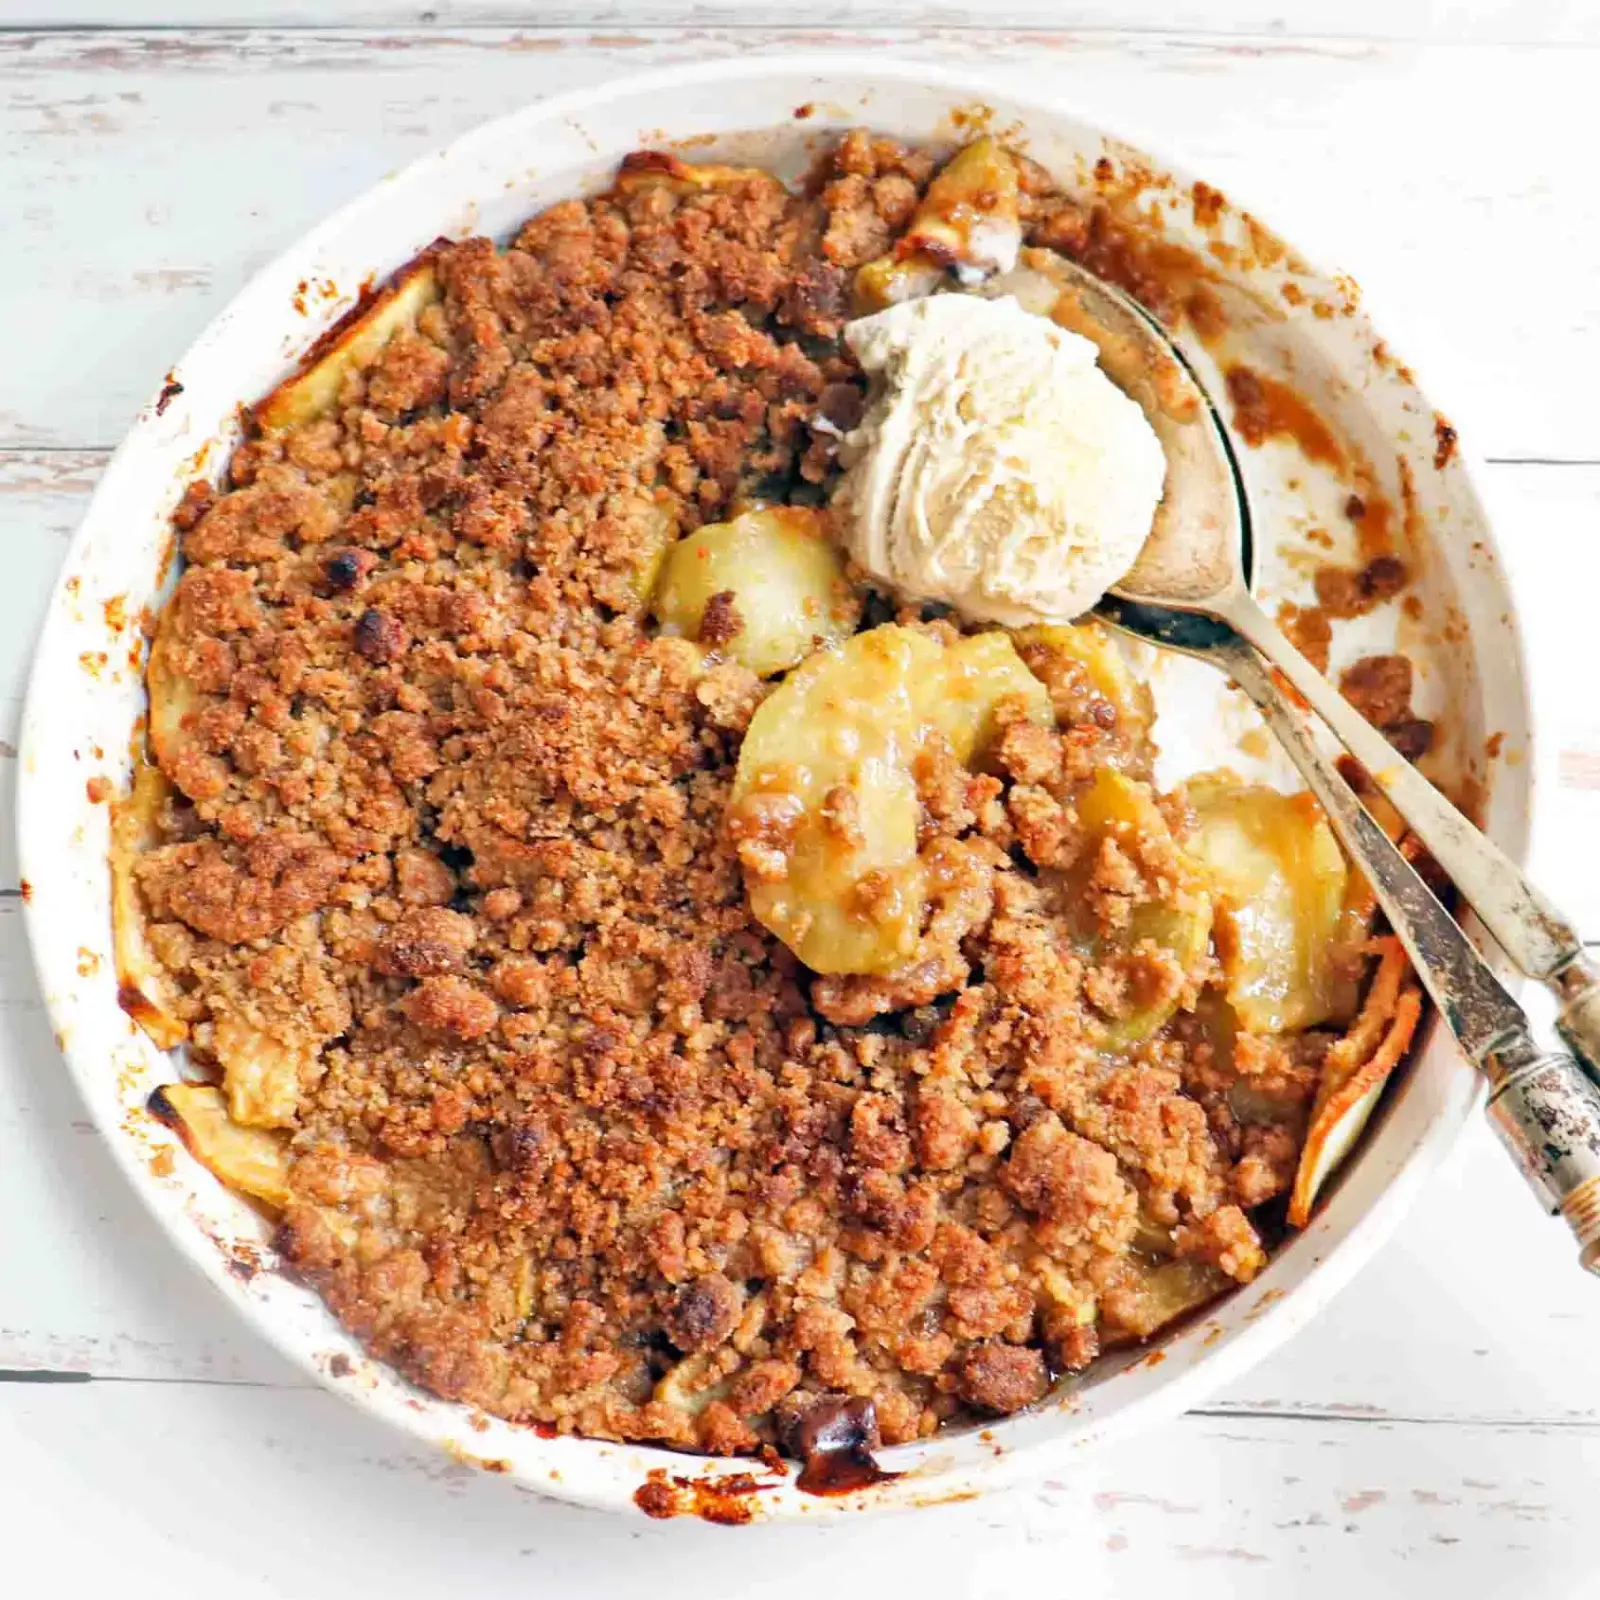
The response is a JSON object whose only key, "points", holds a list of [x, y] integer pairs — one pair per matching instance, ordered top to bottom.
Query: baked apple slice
{"points": [[352, 343], [824, 808]]}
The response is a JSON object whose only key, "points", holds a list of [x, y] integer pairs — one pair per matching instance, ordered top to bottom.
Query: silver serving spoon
{"points": [[1189, 591]]}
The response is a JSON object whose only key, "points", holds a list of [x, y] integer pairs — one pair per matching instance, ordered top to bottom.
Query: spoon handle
{"points": [[1536, 936], [1542, 1105]]}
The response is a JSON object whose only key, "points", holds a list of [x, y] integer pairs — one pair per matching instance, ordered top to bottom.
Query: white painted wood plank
{"points": [[1536, 21], [148, 175], [205, 1489]]}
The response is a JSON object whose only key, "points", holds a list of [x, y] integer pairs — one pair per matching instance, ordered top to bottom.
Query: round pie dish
{"points": [[87, 696]]}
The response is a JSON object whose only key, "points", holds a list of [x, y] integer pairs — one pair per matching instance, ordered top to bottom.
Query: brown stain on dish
{"points": [[1209, 205], [1129, 244], [170, 390], [1264, 408], [1445, 439], [1372, 514], [1411, 526], [166, 558], [1345, 592], [116, 612], [1308, 630], [98, 790], [25, 889], [88, 962], [133, 1001], [241, 1261], [1269, 1298], [340, 1365], [464, 1457], [841, 1472], [728, 1501]]}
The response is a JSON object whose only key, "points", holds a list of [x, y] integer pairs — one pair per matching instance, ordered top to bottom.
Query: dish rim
{"points": [[599, 1473]]}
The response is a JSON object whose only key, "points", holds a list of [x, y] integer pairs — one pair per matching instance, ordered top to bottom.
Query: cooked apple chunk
{"points": [[659, 169], [968, 219], [968, 223], [347, 347], [766, 589], [1088, 676], [173, 696], [824, 808], [1281, 887], [1141, 909], [143, 985], [260, 1072], [249, 1159]]}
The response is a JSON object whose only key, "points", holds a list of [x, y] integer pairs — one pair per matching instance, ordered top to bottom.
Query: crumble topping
{"points": [[574, 1138]]}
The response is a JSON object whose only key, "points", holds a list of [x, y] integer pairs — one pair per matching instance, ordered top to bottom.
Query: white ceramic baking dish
{"points": [[86, 696]]}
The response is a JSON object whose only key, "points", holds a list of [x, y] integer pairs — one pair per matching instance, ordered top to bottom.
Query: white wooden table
{"points": [[1440, 1426]]}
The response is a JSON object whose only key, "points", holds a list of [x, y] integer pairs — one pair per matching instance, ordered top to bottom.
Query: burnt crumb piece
{"points": [[842, 405], [1444, 443], [197, 500], [344, 569], [1352, 592], [877, 609], [720, 621], [380, 637], [1379, 687], [1412, 737], [920, 1023], [704, 1313], [1002, 1377], [834, 1439], [657, 1498]]}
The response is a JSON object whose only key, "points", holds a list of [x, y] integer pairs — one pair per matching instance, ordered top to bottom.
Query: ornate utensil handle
{"points": [[1547, 1115]]}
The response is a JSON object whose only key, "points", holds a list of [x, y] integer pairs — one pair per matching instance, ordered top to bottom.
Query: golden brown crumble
{"points": [[575, 1139]]}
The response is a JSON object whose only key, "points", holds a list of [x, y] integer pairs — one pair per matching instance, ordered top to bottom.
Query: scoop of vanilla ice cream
{"points": [[996, 468]]}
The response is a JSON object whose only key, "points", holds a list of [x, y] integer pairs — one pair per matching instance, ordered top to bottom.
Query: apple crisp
{"points": [[660, 990]]}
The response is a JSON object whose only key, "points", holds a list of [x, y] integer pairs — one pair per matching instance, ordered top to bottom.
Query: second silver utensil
{"points": [[1543, 1106]]}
